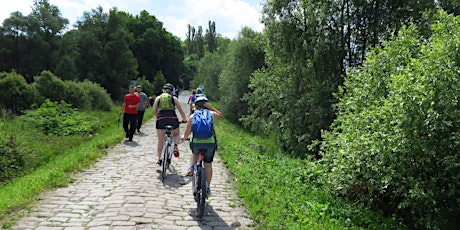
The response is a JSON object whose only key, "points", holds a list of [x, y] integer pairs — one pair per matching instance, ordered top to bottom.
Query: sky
{"points": [[229, 15]]}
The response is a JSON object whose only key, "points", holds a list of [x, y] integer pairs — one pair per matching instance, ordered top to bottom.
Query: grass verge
{"points": [[65, 156], [285, 193]]}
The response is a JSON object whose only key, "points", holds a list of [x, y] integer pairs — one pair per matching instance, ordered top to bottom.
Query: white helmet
{"points": [[199, 101]]}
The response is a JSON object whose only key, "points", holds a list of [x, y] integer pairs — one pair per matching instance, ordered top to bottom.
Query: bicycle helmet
{"points": [[169, 86], [199, 101]]}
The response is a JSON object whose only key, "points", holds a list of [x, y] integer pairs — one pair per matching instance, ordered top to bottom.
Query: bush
{"points": [[50, 86], [15, 94], [77, 95], [98, 96], [61, 119], [395, 143], [11, 159]]}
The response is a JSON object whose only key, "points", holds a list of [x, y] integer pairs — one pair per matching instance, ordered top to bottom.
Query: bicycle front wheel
{"points": [[202, 192]]}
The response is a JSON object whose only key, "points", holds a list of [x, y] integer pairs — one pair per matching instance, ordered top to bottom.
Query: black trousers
{"points": [[140, 118], [129, 124]]}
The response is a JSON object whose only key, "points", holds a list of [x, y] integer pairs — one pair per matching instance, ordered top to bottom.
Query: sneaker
{"points": [[126, 135], [130, 139], [176, 151], [159, 162]]}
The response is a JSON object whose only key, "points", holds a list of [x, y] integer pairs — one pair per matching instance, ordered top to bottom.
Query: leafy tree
{"points": [[211, 37], [245, 55], [120, 65], [210, 67], [394, 144]]}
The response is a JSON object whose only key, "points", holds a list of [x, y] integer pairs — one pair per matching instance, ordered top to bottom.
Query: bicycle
{"points": [[166, 153], [199, 184]]}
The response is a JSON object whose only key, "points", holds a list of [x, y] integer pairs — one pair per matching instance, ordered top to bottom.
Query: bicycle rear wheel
{"points": [[164, 158], [201, 201]]}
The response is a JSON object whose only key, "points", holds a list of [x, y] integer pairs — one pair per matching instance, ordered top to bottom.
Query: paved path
{"points": [[123, 191]]}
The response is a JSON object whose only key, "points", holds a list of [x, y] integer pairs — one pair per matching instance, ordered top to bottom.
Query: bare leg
{"points": [[175, 135], [161, 140], [208, 167]]}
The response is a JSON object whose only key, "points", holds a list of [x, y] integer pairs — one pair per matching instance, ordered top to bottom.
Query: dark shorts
{"points": [[162, 123], [210, 147]]}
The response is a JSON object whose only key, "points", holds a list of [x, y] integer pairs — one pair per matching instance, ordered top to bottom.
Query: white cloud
{"points": [[229, 15]]}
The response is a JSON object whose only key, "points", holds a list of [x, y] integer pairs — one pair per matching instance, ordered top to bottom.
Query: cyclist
{"points": [[164, 109], [209, 144]]}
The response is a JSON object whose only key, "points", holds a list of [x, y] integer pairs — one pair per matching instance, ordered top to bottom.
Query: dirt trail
{"points": [[123, 191]]}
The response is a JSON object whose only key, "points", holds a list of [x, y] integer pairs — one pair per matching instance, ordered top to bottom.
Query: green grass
{"points": [[59, 157], [280, 192], [285, 193]]}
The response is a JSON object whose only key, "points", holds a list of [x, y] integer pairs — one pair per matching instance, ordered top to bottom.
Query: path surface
{"points": [[123, 191]]}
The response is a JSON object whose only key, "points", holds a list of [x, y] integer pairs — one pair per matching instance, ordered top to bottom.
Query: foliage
{"points": [[244, 56], [209, 69], [158, 83], [147, 86], [15, 94], [82, 95], [97, 95], [60, 119], [396, 139], [11, 159], [51, 160], [282, 192]]}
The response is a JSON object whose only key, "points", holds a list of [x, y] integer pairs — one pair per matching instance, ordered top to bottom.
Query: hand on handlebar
{"points": [[182, 139]]}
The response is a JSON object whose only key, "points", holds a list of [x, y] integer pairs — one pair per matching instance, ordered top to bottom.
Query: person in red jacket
{"points": [[131, 102]]}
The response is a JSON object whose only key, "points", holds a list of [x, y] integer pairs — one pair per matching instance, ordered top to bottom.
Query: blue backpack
{"points": [[202, 124]]}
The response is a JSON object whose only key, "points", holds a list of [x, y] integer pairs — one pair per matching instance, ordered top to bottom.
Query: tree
{"points": [[211, 37], [244, 56], [394, 145]]}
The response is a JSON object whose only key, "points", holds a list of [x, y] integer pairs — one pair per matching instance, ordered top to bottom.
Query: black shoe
{"points": [[138, 131], [126, 135], [130, 139], [159, 162]]}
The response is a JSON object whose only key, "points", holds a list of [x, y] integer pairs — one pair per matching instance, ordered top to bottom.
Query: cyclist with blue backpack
{"points": [[201, 126]]}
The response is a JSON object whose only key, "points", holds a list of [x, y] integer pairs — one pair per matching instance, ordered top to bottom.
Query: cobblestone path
{"points": [[123, 191]]}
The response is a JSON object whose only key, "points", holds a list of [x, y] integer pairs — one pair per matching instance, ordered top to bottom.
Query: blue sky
{"points": [[230, 15]]}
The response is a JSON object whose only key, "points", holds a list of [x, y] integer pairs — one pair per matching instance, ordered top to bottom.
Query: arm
{"points": [[146, 103], [155, 106], [179, 107], [122, 108], [211, 108], [217, 115], [188, 128]]}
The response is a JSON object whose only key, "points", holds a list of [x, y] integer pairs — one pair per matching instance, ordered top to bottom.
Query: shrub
{"points": [[15, 94], [77, 95], [98, 96], [61, 119], [395, 143], [11, 159]]}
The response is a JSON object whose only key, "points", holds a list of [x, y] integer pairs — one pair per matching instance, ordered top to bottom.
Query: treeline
{"points": [[110, 49], [377, 118]]}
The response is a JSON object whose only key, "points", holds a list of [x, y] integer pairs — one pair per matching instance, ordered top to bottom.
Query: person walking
{"points": [[131, 102], [142, 107], [164, 109], [203, 138]]}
